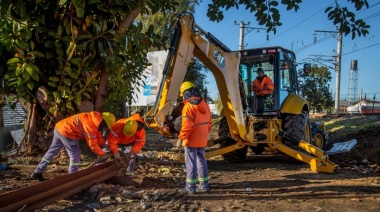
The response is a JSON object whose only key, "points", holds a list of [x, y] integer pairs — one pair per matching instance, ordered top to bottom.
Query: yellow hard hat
{"points": [[185, 86], [109, 118], [130, 127]]}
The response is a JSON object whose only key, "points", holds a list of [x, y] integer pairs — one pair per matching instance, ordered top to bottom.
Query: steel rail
{"points": [[47, 192]]}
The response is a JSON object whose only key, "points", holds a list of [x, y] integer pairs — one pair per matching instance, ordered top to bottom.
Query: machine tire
{"points": [[298, 126], [319, 139], [238, 155]]}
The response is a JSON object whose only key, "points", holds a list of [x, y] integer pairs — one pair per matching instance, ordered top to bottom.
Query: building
{"points": [[364, 107]]}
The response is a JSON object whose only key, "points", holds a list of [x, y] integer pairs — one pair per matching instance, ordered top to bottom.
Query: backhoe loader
{"points": [[283, 124]]}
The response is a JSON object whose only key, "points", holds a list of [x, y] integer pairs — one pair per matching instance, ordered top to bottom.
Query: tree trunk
{"points": [[129, 18], [101, 95], [31, 130]]}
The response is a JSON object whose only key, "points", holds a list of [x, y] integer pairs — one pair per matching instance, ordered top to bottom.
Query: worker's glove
{"points": [[179, 143], [104, 157], [117, 157]]}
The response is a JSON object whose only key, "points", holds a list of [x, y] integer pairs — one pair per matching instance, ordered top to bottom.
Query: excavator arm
{"points": [[189, 41]]}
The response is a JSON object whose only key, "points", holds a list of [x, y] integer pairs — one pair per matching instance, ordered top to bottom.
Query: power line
{"points": [[312, 44], [361, 49]]}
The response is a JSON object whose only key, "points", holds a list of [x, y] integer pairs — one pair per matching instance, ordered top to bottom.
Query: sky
{"points": [[297, 33]]}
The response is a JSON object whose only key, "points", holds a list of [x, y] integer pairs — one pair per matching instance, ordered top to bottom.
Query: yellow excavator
{"points": [[281, 125]]}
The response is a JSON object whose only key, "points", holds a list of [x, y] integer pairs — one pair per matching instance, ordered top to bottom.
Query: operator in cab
{"points": [[262, 86]]}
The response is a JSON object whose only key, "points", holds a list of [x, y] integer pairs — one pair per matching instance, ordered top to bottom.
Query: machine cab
{"points": [[279, 65]]}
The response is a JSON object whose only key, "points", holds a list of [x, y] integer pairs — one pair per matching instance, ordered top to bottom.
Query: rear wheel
{"points": [[298, 127], [237, 155]]}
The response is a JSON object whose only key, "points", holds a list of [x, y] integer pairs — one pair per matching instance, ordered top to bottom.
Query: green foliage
{"points": [[267, 13], [163, 21], [346, 21], [65, 46], [314, 87], [219, 104], [346, 126]]}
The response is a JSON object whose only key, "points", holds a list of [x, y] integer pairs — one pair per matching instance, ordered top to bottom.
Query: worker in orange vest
{"points": [[262, 86], [196, 125], [67, 133], [129, 136]]}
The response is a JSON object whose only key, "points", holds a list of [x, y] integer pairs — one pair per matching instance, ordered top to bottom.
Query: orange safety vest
{"points": [[259, 87], [196, 123], [83, 126], [116, 136]]}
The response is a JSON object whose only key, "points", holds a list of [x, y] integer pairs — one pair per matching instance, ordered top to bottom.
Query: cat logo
{"points": [[219, 59]]}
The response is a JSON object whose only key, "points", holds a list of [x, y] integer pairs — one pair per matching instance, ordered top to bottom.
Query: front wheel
{"points": [[319, 138]]}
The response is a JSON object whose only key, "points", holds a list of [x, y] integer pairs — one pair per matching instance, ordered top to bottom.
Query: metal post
{"points": [[241, 37], [338, 66], [338, 70], [373, 103]]}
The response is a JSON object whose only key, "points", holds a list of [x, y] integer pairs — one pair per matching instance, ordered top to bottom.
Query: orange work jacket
{"points": [[263, 87], [196, 123], [83, 126], [116, 136]]}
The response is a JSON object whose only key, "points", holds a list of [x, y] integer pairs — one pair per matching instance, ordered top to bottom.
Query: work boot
{"points": [[129, 174], [37, 176], [199, 190], [185, 191]]}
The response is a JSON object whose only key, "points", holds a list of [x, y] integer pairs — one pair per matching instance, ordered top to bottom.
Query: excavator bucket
{"points": [[342, 147]]}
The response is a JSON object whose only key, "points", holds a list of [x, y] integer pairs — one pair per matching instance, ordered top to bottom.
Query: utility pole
{"points": [[241, 36], [337, 67]]}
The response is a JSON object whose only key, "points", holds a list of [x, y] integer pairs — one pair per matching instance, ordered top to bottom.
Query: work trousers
{"points": [[59, 141], [195, 160]]}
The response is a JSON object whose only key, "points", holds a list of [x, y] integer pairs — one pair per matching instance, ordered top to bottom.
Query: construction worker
{"points": [[262, 86], [196, 124], [67, 133], [129, 135]]}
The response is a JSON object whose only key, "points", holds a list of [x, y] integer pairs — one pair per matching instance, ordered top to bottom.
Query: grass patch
{"points": [[344, 127]]}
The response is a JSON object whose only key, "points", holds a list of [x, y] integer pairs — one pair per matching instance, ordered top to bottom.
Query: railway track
{"points": [[47, 192]]}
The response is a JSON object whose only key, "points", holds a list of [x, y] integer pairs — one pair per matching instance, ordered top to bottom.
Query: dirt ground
{"points": [[268, 182]]}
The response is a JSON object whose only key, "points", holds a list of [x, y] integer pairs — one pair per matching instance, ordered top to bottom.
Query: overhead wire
{"points": [[297, 24], [231, 35], [361, 49]]}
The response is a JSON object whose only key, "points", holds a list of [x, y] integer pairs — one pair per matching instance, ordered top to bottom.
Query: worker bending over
{"points": [[69, 131], [129, 135]]}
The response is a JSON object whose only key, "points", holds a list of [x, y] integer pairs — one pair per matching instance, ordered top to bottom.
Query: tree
{"points": [[267, 14], [163, 21], [58, 55], [196, 73], [314, 87]]}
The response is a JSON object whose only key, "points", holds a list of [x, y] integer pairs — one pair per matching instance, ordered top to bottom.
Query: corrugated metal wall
{"points": [[13, 119]]}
